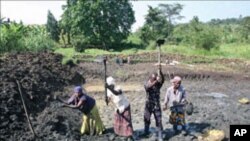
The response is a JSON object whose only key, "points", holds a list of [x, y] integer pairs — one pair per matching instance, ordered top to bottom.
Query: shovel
{"points": [[159, 43], [104, 60]]}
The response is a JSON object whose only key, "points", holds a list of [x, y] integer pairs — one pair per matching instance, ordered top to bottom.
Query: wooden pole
{"points": [[25, 109]]}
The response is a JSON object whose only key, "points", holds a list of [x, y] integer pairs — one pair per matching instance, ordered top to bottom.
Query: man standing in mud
{"points": [[175, 99], [152, 106]]}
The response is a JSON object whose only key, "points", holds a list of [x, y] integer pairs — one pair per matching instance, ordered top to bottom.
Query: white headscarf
{"points": [[110, 80]]}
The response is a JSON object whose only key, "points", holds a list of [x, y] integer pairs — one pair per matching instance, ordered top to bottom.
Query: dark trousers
{"points": [[152, 108]]}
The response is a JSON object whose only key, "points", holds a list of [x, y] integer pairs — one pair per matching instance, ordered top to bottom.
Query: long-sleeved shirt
{"points": [[153, 93], [170, 96], [120, 101]]}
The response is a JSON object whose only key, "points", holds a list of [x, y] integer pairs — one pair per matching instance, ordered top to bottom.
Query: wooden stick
{"points": [[25, 109]]}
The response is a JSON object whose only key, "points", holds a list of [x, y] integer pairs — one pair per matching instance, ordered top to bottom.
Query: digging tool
{"points": [[159, 43], [104, 60], [105, 78], [25, 109]]}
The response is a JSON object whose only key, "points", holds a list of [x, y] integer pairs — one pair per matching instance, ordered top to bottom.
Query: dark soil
{"points": [[214, 94]]}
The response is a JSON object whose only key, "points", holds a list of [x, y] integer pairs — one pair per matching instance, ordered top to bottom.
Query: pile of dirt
{"points": [[39, 75]]}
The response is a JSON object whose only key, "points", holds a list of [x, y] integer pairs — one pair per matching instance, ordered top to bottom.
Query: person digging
{"points": [[91, 121]]}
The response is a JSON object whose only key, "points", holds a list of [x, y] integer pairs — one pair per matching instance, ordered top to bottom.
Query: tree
{"points": [[172, 13], [65, 22], [102, 22], [156, 25], [52, 27], [245, 28], [202, 36]]}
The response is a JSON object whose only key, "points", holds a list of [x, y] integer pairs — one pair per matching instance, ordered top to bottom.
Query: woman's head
{"points": [[110, 81], [78, 90]]}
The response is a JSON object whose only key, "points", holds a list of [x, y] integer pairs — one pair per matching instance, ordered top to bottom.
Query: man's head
{"points": [[153, 77], [176, 82], [78, 90]]}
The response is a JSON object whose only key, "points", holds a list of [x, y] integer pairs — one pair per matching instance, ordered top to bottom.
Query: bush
{"points": [[19, 38], [11, 39], [205, 39], [38, 43], [79, 44], [152, 45], [69, 61]]}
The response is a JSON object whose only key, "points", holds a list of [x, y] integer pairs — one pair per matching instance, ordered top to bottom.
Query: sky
{"points": [[35, 12]]}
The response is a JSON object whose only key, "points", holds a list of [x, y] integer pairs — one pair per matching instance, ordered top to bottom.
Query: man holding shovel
{"points": [[153, 106]]}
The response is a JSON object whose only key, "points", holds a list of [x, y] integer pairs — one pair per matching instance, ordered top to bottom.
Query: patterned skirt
{"points": [[92, 123], [123, 123]]}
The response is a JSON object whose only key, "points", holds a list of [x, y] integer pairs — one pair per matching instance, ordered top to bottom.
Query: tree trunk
{"points": [[69, 39]]}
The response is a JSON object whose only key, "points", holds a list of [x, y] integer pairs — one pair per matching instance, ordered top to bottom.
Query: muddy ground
{"points": [[214, 93]]}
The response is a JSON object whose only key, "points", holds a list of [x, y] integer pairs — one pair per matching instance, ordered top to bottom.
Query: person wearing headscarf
{"points": [[175, 99], [152, 105], [122, 117], [91, 121]]}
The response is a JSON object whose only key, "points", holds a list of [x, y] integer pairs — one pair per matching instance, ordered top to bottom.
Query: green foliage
{"points": [[171, 11], [94, 19], [225, 21], [66, 22], [159, 22], [156, 26], [52, 27], [245, 28], [181, 34], [197, 34], [10, 36], [202, 36], [17, 37], [205, 39], [39, 42], [79, 44], [151, 46], [69, 61]]}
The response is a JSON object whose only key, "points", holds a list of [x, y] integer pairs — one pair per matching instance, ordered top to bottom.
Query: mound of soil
{"points": [[39, 75]]}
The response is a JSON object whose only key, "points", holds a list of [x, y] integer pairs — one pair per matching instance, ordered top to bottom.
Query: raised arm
{"points": [[161, 78], [149, 85]]}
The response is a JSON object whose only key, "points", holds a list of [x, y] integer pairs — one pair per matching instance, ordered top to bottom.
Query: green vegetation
{"points": [[103, 24], [52, 27], [85, 30], [16, 37], [224, 51], [241, 51]]}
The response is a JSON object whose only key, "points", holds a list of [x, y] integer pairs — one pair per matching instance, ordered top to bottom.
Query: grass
{"points": [[233, 51], [236, 51], [70, 52]]}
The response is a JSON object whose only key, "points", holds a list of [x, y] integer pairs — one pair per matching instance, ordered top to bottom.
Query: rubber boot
{"points": [[146, 130], [160, 135]]}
